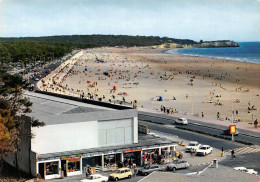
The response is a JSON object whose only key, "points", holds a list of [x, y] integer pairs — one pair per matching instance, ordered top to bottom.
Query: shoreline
{"points": [[212, 57], [243, 60], [145, 73]]}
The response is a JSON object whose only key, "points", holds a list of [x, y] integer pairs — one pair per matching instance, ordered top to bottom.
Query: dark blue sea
{"points": [[247, 52]]}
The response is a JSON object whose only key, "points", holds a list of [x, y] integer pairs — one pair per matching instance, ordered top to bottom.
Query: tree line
{"points": [[102, 40], [28, 49], [25, 52]]}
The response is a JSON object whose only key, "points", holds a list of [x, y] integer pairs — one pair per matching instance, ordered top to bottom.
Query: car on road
{"points": [[181, 121], [227, 132], [192, 146], [204, 150], [177, 164], [149, 169], [249, 171], [121, 173], [95, 178]]}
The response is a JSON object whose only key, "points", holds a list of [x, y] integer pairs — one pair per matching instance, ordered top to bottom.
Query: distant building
{"points": [[78, 135]]}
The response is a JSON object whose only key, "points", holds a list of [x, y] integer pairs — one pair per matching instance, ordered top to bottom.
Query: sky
{"points": [[237, 20]]}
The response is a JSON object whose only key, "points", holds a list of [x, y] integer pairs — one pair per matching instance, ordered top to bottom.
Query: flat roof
{"points": [[46, 105], [54, 110], [144, 141]]}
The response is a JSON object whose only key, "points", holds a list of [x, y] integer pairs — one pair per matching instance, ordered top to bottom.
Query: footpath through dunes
{"points": [[154, 80]]}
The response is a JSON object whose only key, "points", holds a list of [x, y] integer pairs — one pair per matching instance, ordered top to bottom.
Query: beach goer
{"points": [[202, 114], [217, 115], [256, 123]]}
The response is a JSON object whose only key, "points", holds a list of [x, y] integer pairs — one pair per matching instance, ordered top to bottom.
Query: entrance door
{"points": [[64, 167], [41, 170]]}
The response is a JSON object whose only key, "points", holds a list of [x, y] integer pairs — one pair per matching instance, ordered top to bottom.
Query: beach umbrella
{"points": [[89, 81], [114, 88]]}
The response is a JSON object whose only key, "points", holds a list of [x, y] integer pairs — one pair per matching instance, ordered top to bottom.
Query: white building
{"points": [[77, 135]]}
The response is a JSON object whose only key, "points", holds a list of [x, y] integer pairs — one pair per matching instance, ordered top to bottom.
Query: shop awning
{"points": [[144, 142]]}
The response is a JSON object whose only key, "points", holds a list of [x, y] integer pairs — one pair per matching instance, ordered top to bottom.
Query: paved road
{"points": [[43, 72], [200, 126], [187, 135], [247, 156], [249, 160]]}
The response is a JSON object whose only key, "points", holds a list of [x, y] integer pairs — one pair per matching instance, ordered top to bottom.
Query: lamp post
{"points": [[232, 117]]}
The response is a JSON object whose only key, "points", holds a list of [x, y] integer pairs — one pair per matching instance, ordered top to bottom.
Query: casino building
{"points": [[77, 135]]}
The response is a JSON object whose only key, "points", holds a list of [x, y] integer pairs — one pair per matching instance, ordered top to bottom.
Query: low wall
{"points": [[88, 101]]}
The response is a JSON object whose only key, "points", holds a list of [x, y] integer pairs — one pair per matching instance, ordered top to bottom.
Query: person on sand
{"points": [[202, 114], [218, 115]]}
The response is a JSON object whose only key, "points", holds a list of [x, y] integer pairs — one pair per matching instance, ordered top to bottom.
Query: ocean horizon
{"points": [[247, 52]]}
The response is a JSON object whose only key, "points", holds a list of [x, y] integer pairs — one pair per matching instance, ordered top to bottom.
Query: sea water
{"points": [[247, 52]]}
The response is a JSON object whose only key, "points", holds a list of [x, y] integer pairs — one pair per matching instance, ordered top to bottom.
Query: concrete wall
{"points": [[94, 102], [135, 128], [65, 137], [24, 154], [33, 164]]}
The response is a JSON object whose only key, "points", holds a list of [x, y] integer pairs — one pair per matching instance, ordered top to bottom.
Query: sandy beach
{"points": [[191, 86]]}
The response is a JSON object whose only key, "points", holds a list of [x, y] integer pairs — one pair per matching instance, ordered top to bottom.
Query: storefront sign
{"points": [[133, 150], [69, 158], [73, 160]]}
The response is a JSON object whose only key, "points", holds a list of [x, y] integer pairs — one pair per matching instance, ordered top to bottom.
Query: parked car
{"points": [[181, 121], [227, 132], [193, 145], [204, 150], [177, 164], [149, 169], [249, 171], [120, 174], [95, 178]]}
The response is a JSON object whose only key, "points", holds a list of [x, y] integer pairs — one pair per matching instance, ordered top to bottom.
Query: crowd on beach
{"points": [[131, 77]]}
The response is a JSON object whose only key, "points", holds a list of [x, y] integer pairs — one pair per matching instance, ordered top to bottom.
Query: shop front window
{"points": [[111, 160], [73, 165], [52, 168]]}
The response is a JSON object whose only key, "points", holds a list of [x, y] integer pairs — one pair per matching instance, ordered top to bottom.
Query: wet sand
{"points": [[199, 85]]}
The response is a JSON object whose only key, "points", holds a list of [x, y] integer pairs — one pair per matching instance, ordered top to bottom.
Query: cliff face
{"points": [[210, 44], [216, 44]]}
